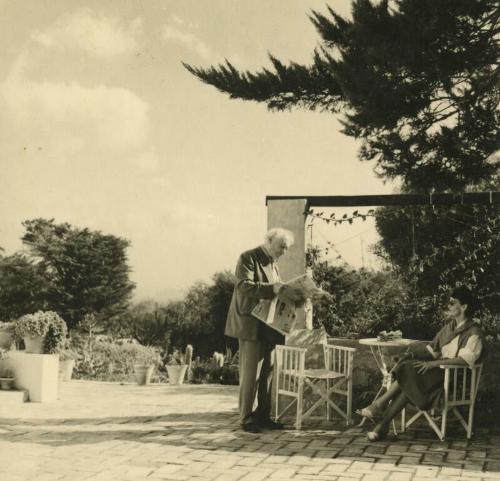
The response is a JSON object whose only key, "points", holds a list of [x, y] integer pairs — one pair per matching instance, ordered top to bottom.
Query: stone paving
{"points": [[111, 431]]}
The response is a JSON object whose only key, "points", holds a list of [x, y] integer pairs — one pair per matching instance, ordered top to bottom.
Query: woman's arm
{"points": [[423, 366]]}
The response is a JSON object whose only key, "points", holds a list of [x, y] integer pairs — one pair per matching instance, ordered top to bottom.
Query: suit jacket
{"points": [[253, 275]]}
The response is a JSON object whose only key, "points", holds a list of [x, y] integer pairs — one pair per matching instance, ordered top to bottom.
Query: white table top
{"points": [[373, 341]]}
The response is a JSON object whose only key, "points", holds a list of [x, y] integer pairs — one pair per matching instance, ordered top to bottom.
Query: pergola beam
{"points": [[491, 197]]}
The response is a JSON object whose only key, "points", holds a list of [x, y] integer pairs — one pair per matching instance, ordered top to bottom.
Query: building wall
{"points": [[289, 214]]}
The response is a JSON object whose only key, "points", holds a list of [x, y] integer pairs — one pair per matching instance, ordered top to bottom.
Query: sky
{"points": [[102, 127]]}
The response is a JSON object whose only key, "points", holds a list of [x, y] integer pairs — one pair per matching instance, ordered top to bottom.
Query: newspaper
{"points": [[280, 313]]}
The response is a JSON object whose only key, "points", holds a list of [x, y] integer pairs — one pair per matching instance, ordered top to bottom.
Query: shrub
{"points": [[47, 324], [7, 326], [4, 353], [68, 355], [179, 358], [105, 360], [207, 373]]}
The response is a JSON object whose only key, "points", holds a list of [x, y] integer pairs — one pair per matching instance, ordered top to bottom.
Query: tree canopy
{"points": [[416, 80], [85, 271], [23, 286]]}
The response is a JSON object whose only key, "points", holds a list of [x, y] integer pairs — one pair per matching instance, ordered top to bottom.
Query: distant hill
{"points": [[162, 296]]}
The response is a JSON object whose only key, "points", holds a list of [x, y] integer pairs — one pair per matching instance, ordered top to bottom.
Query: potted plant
{"points": [[43, 332], [6, 334], [147, 358], [67, 359], [178, 363], [6, 374], [6, 379]]}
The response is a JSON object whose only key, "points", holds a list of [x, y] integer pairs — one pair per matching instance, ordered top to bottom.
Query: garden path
{"points": [[111, 431]]}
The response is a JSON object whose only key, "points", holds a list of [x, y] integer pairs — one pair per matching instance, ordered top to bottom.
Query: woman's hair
{"points": [[465, 296]]}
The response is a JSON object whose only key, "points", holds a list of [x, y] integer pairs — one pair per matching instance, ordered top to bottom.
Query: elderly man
{"points": [[257, 278]]}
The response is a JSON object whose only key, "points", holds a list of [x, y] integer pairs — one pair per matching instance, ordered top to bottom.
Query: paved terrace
{"points": [[108, 431]]}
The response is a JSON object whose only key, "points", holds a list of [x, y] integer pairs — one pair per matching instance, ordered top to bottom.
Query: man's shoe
{"points": [[270, 424], [250, 428]]}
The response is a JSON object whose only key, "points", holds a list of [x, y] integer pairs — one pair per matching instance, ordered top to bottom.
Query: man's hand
{"points": [[276, 287], [423, 366]]}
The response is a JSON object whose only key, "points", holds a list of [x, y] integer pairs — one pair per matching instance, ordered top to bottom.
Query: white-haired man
{"points": [[257, 277]]}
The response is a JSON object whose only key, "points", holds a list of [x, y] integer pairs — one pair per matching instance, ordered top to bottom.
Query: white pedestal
{"points": [[38, 373]]}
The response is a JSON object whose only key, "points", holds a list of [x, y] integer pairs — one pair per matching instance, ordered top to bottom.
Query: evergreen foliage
{"points": [[416, 80], [85, 271], [23, 286], [198, 319]]}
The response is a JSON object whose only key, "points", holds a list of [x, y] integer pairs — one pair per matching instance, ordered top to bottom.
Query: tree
{"points": [[416, 80], [436, 248], [85, 271], [23, 286], [362, 302], [203, 315], [198, 319], [146, 322]]}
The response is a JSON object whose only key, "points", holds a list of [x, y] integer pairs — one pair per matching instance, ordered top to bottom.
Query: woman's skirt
{"points": [[423, 390]]}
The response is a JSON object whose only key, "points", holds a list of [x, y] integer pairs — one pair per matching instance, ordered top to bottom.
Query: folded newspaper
{"points": [[280, 313]]}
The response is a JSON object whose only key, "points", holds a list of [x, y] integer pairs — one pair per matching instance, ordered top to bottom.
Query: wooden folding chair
{"points": [[292, 380], [459, 390]]}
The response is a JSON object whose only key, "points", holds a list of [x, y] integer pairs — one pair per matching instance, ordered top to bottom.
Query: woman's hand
{"points": [[423, 366]]}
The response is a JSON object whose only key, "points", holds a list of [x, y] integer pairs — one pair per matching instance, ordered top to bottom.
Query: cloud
{"points": [[96, 34], [185, 37], [112, 119], [64, 123]]}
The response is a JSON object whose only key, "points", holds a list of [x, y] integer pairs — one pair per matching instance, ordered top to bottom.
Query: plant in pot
{"points": [[43, 332], [6, 334], [147, 358], [67, 359], [178, 363], [6, 374], [6, 379]]}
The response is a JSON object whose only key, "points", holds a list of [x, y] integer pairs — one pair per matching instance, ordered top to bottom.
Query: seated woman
{"points": [[420, 382]]}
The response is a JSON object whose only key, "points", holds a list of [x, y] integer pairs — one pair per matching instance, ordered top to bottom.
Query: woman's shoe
{"points": [[368, 412], [378, 434]]}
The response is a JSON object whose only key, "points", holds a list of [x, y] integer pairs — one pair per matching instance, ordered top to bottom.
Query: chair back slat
{"points": [[339, 359], [290, 367], [464, 385]]}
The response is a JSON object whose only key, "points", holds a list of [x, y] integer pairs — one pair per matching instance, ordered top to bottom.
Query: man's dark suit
{"points": [[255, 275]]}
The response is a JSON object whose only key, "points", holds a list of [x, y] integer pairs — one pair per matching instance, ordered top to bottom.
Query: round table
{"points": [[381, 350]]}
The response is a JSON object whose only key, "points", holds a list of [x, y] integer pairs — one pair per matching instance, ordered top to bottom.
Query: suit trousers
{"points": [[256, 372]]}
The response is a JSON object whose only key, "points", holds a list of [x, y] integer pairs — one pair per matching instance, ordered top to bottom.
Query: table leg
{"points": [[378, 355]]}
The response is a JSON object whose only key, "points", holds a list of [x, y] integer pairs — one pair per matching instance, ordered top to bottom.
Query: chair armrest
{"points": [[281, 347], [459, 366]]}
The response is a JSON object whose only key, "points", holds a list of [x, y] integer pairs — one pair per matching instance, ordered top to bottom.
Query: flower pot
{"points": [[33, 345], [66, 369], [143, 373], [176, 374], [6, 383]]}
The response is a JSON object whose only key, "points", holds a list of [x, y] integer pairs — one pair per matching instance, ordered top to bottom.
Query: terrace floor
{"points": [[112, 431]]}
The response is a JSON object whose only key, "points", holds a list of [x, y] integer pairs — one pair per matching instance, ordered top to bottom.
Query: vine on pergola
{"points": [[344, 219]]}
